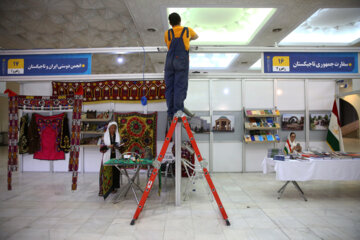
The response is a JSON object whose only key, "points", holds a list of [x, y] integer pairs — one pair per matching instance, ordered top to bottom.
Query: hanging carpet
{"points": [[137, 131]]}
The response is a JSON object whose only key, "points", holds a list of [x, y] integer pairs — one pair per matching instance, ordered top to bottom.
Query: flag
{"points": [[334, 137], [287, 148]]}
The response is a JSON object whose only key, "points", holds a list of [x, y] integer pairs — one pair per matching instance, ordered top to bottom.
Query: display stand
{"points": [[260, 124]]}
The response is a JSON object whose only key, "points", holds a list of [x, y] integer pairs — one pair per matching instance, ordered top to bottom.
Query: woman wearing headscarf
{"points": [[292, 146], [109, 179]]}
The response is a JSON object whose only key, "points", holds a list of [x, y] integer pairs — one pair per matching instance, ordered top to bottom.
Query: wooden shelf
{"points": [[265, 115], [96, 120], [262, 128], [91, 132], [262, 142]]}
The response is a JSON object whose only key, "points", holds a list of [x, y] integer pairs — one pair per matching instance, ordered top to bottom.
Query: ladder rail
{"points": [[157, 164]]}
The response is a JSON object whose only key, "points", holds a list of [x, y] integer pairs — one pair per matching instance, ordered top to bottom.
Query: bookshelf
{"points": [[261, 126]]}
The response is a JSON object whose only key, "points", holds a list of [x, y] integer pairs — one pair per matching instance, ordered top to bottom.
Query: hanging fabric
{"points": [[49, 130], [65, 135], [33, 136], [23, 138]]}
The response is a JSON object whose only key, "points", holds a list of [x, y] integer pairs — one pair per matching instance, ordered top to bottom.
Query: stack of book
{"points": [[264, 112], [262, 138]]}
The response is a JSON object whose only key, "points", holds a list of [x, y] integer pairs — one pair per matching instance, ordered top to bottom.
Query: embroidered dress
{"points": [[49, 128]]}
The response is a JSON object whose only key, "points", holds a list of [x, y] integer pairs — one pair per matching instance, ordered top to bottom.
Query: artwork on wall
{"points": [[319, 121], [292, 122], [223, 123], [200, 124]]}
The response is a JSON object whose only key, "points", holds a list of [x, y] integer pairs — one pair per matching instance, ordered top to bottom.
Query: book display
{"points": [[93, 126], [261, 126]]}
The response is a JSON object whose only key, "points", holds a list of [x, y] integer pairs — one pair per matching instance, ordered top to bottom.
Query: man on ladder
{"points": [[177, 40], [176, 80]]}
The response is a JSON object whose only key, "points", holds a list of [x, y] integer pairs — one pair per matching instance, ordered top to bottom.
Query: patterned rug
{"points": [[113, 90], [137, 131]]}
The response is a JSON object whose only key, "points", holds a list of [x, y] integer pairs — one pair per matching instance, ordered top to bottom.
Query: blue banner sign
{"points": [[294, 62], [56, 64]]}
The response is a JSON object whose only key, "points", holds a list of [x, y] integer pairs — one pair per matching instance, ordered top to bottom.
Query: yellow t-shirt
{"points": [[177, 33]]}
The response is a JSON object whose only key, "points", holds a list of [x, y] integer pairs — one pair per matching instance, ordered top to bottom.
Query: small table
{"points": [[125, 163], [314, 169]]}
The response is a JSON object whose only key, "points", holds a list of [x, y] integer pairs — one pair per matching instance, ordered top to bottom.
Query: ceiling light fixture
{"points": [[224, 26], [120, 60], [211, 60]]}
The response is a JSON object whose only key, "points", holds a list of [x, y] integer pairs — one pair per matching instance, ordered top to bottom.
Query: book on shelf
{"points": [[248, 112], [262, 112], [277, 137], [247, 138], [252, 138], [260, 138], [270, 138]]}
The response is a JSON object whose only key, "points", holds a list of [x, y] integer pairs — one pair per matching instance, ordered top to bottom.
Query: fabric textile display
{"points": [[113, 90], [38, 103], [137, 131], [65, 135], [13, 136], [23, 136], [33, 136], [50, 137], [75, 140]]}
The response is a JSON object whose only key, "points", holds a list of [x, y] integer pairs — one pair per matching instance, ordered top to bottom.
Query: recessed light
{"points": [[151, 29], [275, 30], [120, 60], [244, 62]]}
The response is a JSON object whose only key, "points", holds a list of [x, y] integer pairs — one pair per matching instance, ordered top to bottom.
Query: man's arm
{"points": [[194, 37]]}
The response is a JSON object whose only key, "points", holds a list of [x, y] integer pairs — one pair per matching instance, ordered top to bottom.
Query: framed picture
{"points": [[319, 121], [292, 122], [223, 123], [200, 124]]}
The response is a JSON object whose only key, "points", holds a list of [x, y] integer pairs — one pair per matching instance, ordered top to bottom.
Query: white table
{"points": [[314, 169]]}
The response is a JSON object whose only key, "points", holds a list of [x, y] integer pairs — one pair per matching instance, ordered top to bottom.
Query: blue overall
{"points": [[176, 73]]}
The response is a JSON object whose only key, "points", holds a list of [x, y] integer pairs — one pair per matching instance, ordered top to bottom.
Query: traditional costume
{"points": [[109, 178]]}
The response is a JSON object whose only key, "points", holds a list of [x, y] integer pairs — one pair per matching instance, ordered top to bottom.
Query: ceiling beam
{"points": [[162, 49]]}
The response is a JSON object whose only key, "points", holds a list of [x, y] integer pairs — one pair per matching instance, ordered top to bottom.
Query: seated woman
{"points": [[291, 146], [109, 179]]}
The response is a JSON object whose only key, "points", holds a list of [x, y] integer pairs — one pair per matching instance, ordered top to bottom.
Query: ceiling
{"points": [[123, 23]]}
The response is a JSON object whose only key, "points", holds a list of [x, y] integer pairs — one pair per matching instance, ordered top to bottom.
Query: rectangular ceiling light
{"points": [[224, 26], [327, 27], [211, 60], [256, 65]]}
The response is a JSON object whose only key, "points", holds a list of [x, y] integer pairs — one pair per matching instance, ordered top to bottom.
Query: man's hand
{"points": [[194, 37]]}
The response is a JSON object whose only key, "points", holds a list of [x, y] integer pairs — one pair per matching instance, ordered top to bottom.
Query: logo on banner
{"points": [[281, 64], [16, 66]]}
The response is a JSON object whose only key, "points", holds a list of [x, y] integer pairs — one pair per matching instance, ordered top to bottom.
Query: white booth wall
{"points": [[226, 152]]}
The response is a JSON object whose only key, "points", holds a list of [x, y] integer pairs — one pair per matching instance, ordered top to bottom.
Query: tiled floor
{"points": [[42, 206]]}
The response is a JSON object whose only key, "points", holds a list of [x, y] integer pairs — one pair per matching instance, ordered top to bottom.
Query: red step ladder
{"points": [[157, 164]]}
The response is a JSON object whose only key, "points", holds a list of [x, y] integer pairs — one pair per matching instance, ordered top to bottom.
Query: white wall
{"points": [[227, 95]]}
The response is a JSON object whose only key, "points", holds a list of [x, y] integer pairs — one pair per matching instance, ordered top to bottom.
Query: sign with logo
{"points": [[280, 62], [56, 64]]}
